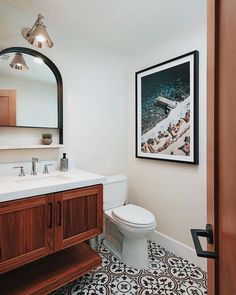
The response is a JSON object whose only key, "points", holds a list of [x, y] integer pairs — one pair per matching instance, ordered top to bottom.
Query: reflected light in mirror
{"points": [[38, 60], [18, 62]]}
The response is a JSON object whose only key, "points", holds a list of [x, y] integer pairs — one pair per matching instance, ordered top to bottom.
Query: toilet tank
{"points": [[114, 191]]}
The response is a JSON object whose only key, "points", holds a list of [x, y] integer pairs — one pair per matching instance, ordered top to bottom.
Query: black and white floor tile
{"points": [[166, 275]]}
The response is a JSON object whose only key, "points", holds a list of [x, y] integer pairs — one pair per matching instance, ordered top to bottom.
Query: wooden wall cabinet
{"points": [[35, 227]]}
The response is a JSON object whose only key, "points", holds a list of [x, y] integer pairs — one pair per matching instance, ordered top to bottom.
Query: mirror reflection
{"points": [[28, 92]]}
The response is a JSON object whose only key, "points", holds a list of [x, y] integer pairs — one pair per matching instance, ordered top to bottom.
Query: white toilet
{"points": [[126, 226]]}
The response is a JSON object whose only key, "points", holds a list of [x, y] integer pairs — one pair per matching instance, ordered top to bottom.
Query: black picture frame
{"points": [[185, 68], [58, 78]]}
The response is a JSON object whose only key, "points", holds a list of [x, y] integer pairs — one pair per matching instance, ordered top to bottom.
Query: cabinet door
{"points": [[78, 215], [26, 231]]}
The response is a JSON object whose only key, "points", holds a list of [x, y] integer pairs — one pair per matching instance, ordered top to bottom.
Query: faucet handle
{"points": [[45, 170], [22, 172]]}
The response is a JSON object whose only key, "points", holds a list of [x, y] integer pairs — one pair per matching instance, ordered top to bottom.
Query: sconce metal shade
{"points": [[38, 35], [18, 62]]}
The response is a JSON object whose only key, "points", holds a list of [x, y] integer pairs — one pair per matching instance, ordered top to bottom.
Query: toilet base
{"points": [[116, 251], [135, 253]]}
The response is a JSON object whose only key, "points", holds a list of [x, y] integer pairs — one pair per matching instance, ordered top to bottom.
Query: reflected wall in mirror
{"points": [[27, 97]]}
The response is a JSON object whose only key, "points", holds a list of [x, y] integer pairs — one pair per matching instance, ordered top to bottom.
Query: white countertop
{"points": [[15, 187]]}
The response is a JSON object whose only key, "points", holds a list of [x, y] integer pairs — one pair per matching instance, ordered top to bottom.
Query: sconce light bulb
{"points": [[40, 38]]}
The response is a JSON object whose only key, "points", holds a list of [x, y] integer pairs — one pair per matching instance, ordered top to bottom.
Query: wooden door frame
{"points": [[11, 94], [212, 127]]}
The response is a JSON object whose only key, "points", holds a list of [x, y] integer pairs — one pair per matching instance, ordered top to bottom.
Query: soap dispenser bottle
{"points": [[64, 163]]}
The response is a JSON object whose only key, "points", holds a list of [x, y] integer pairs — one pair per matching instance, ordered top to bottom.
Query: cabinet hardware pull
{"points": [[59, 213], [50, 215]]}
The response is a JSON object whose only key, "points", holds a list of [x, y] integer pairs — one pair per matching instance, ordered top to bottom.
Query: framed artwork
{"points": [[167, 110]]}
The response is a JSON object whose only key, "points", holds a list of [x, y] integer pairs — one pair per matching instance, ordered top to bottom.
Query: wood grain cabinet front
{"points": [[78, 216], [34, 227], [26, 231]]}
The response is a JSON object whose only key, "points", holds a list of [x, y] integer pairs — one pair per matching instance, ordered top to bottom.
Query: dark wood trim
{"points": [[195, 53], [58, 78], [50, 273]]}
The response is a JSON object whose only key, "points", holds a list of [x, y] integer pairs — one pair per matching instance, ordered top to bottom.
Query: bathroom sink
{"points": [[41, 178], [45, 178], [15, 187]]}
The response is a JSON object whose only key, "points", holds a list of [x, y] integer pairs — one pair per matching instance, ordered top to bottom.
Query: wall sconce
{"points": [[38, 35], [18, 62]]}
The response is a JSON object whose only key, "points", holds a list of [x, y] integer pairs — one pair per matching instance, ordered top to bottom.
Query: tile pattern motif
{"points": [[166, 275]]}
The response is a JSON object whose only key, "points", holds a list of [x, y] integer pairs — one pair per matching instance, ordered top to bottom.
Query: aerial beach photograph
{"points": [[165, 101]]}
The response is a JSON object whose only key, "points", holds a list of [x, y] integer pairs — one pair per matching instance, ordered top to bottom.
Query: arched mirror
{"points": [[31, 93]]}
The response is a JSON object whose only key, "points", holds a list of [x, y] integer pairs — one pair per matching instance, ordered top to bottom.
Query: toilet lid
{"points": [[134, 214]]}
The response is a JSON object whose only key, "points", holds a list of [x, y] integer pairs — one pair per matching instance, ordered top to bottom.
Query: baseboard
{"points": [[179, 249]]}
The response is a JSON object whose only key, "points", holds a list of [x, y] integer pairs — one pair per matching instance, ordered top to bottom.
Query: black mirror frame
{"points": [[58, 78]]}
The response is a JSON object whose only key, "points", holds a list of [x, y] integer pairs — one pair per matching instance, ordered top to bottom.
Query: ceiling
{"points": [[123, 25]]}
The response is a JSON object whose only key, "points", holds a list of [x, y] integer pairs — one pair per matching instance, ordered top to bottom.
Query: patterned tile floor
{"points": [[166, 275]]}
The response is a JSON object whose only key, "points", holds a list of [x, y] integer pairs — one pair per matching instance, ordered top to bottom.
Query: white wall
{"points": [[36, 101], [96, 108], [174, 192]]}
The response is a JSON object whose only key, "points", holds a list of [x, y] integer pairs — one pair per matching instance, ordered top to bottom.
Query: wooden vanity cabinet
{"points": [[79, 216], [35, 227], [26, 231]]}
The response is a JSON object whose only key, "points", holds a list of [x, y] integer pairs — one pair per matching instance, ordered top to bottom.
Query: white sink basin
{"points": [[46, 177], [38, 178]]}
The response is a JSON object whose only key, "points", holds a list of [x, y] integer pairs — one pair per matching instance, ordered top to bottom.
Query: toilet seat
{"points": [[134, 216]]}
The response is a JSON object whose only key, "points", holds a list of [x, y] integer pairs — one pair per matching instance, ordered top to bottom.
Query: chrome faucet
{"points": [[34, 161], [46, 171], [22, 172]]}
